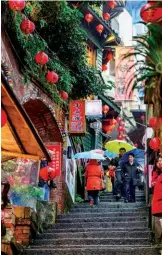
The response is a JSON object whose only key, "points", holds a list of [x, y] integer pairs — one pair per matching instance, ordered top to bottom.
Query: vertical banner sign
{"points": [[124, 73], [77, 124], [55, 151]]}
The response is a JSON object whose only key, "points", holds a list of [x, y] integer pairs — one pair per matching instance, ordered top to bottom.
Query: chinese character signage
{"points": [[124, 74], [93, 108], [77, 123], [55, 152]]}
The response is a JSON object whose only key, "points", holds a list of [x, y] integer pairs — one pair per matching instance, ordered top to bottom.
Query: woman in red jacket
{"points": [[94, 175], [157, 184]]}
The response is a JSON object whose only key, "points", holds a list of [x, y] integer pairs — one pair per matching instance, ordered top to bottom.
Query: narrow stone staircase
{"points": [[111, 228]]}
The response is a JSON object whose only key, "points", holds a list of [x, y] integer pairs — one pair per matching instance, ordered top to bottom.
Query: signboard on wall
{"points": [[124, 74], [93, 108], [77, 123], [55, 152], [70, 168]]}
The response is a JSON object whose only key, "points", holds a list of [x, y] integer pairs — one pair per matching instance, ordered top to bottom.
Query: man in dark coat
{"points": [[130, 175]]}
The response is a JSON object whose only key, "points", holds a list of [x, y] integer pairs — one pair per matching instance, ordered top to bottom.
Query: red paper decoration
{"points": [[112, 4], [16, 5], [151, 15], [106, 16], [88, 17], [27, 26], [99, 28], [110, 56], [41, 58], [104, 68], [52, 77], [64, 95], [105, 109], [3, 118], [120, 137], [155, 143]]}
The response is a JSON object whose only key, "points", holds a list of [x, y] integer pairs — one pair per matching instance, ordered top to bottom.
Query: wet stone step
{"points": [[111, 205], [101, 210], [103, 219], [101, 224], [98, 233], [92, 241], [94, 250]]}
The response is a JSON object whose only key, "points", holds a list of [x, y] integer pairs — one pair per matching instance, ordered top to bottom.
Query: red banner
{"points": [[124, 74], [77, 124], [55, 152]]}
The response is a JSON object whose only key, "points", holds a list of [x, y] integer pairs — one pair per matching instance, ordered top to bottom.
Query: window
{"points": [[91, 55]]}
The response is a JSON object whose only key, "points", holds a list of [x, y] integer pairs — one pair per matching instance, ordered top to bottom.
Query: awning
{"points": [[19, 138]]}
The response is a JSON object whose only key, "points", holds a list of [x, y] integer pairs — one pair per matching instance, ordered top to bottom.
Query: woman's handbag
{"points": [[103, 184]]}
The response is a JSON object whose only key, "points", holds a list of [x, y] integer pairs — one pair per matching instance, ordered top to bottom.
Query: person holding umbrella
{"points": [[130, 174]]}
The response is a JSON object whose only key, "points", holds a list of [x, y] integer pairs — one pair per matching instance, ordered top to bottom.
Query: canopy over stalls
{"points": [[19, 138]]}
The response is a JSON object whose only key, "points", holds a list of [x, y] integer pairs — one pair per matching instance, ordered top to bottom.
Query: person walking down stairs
{"points": [[110, 228]]}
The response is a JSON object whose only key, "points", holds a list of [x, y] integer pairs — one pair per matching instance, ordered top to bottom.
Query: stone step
{"points": [[113, 199], [111, 205], [101, 210], [104, 214], [102, 219], [101, 224], [95, 229], [97, 234], [91, 241], [94, 250]]}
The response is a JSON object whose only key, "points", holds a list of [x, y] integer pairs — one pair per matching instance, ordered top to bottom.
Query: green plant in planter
{"points": [[78, 199]]}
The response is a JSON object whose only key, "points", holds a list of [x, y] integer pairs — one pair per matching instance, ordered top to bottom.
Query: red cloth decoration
{"points": [[27, 26], [41, 58], [52, 77], [3, 118]]}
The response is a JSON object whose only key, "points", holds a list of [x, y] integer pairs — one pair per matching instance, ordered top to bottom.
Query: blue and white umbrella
{"points": [[110, 154], [89, 155]]}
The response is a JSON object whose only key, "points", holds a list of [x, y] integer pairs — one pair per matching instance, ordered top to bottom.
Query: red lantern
{"points": [[112, 4], [16, 5], [150, 14], [106, 16], [88, 17], [27, 26], [99, 28], [110, 56], [41, 58], [104, 68], [52, 77], [64, 95], [105, 109], [3, 118], [118, 119], [113, 122], [122, 123], [155, 123], [107, 129], [121, 129], [120, 137], [155, 144]]}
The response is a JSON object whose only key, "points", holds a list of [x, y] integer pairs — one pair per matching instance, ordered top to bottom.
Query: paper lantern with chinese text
{"points": [[112, 4], [16, 5], [150, 14], [106, 16], [88, 17], [27, 26], [99, 28], [110, 56], [41, 58], [104, 68], [52, 77], [64, 95], [105, 109], [3, 118], [120, 137], [155, 143]]}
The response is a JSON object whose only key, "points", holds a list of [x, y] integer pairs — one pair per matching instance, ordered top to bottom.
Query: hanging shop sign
{"points": [[124, 73], [93, 108], [77, 123], [55, 152]]}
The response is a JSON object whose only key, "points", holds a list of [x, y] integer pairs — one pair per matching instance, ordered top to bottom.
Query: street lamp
{"points": [[96, 126]]}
